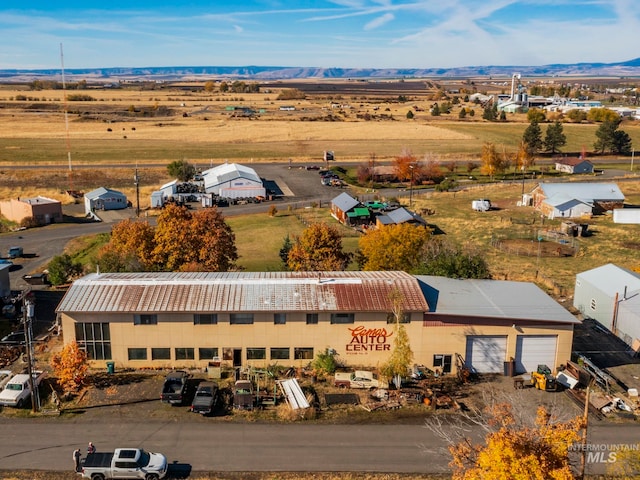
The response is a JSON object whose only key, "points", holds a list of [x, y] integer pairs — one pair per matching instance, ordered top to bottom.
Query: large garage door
{"points": [[534, 350], [486, 354]]}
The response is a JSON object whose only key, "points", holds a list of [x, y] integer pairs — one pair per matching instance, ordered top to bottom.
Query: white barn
{"points": [[231, 180]]}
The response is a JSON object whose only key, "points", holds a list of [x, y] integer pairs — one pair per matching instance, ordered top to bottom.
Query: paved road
{"points": [[253, 447]]}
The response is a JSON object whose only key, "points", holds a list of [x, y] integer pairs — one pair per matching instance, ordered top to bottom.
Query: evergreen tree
{"points": [[435, 110], [532, 137], [554, 138], [609, 138]]}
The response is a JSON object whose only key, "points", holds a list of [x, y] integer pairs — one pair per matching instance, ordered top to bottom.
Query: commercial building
{"points": [[231, 180], [104, 199], [42, 209], [189, 319]]}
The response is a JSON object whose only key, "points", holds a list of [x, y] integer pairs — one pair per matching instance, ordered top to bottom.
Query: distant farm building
{"points": [[574, 165], [231, 180], [104, 199], [572, 200], [344, 206], [42, 209], [399, 216]]}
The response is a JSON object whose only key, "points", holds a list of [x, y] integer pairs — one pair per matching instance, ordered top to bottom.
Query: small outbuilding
{"points": [[574, 165], [104, 199], [42, 209], [399, 216]]}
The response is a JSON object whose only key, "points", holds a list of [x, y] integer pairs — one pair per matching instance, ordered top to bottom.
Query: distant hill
{"points": [[629, 68]]}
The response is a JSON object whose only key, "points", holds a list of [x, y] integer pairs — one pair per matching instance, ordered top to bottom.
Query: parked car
{"points": [[15, 252], [4, 261], [14, 338], [5, 376], [359, 379], [174, 387], [18, 390], [243, 395], [205, 399], [124, 463]]}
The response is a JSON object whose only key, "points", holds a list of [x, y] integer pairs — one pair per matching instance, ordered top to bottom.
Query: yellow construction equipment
{"points": [[543, 379]]}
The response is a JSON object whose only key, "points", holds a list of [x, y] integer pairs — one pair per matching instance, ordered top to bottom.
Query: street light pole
{"points": [[411, 187]]}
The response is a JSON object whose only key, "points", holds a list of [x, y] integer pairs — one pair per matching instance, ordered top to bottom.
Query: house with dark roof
{"points": [[574, 165], [576, 199]]}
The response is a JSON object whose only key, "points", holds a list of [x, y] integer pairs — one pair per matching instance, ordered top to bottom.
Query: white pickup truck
{"points": [[359, 379], [17, 391], [124, 463]]}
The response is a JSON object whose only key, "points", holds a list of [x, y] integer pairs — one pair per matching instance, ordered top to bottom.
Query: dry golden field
{"points": [[144, 125]]}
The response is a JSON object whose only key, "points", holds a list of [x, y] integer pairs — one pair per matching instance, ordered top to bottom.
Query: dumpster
{"points": [[111, 367]]}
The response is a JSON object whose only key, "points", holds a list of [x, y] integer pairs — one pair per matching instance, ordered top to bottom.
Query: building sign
{"points": [[363, 340]]}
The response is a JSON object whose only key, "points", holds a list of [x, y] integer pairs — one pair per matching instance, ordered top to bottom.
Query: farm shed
{"points": [[574, 165], [231, 180], [169, 189], [104, 199], [157, 199], [571, 200], [342, 205], [42, 209], [626, 215], [399, 216], [609, 294], [494, 322]]}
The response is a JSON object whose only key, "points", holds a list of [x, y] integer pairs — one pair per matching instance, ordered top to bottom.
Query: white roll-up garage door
{"points": [[534, 350], [486, 354]]}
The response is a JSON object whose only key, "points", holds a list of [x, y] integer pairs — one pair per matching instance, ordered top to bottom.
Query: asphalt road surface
{"points": [[46, 444]]}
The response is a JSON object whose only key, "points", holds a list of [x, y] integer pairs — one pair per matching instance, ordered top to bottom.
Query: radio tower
{"points": [[66, 121]]}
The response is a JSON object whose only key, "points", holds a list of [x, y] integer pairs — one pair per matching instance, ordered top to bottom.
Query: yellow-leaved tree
{"points": [[392, 247], [318, 248], [401, 356], [70, 367], [512, 450]]}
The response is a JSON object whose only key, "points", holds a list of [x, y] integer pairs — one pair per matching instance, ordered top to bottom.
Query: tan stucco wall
{"points": [[178, 331]]}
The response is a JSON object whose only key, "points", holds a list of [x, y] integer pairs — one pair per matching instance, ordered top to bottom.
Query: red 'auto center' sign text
{"points": [[368, 340]]}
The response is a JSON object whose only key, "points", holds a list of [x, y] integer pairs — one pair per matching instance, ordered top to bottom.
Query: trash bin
{"points": [[111, 367], [509, 368]]}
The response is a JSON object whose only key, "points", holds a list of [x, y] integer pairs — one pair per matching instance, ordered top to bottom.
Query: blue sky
{"points": [[339, 33]]}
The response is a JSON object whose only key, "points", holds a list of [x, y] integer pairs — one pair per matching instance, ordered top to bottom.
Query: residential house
{"points": [[574, 165], [104, 199], [576, 199], [348, 210]]}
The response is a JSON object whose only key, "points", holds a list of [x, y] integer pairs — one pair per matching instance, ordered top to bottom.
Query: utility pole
{"points": [[136, 182], [411, 187], [28, 309]]}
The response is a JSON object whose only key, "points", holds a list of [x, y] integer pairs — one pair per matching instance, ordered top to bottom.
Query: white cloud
{"points": [[378, 22]]}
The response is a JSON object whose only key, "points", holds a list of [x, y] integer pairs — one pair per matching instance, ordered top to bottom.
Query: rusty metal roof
{"points": [[242, 292]]}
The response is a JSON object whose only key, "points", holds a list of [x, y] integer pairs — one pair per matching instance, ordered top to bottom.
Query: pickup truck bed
{"points": [[100, 459]]}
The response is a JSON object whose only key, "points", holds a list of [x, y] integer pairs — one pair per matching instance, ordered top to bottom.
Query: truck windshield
{"points": [[14, 386], [144, 459]]}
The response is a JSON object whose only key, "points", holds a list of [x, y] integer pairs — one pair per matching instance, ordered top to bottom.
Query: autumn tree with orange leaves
{"points": [[182, 241], [392, 247], [318, 248], [70, 367], [513, 450]]}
